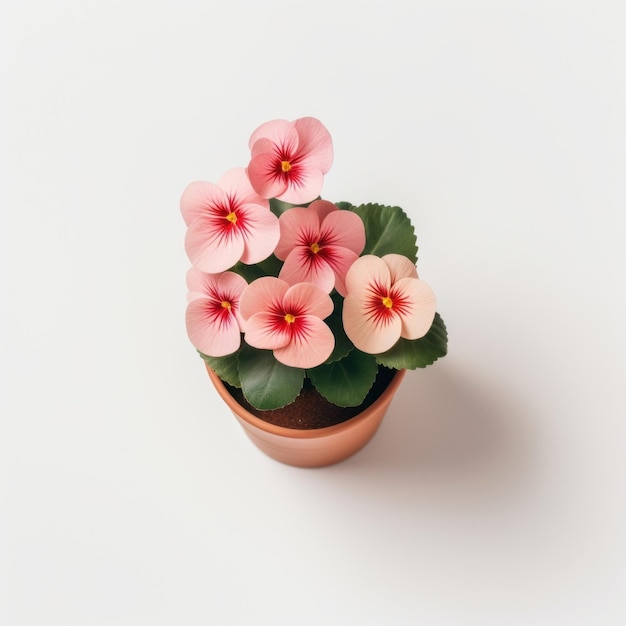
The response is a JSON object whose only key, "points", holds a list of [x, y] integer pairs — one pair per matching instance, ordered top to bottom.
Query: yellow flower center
{"points": [[285, 166], [232, 217], [315, 248], [387, 302], [226, 304], [289, 318]]}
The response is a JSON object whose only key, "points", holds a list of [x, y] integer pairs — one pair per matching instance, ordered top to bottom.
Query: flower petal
{"points": [[279, 132], [316, 142], [305, 144], [262, 177], [236, 184], [306, 188], [197, 198], [322, 208], [298, 226], [345, 229], [261, 232], [211, 248], [340, 260], [301, 266], [399, 267], [366, 271], [197, 283], [231, 284], [225, 286], [263, 294], [309, 299], [422, 306], [267, 331], [366, 332], [214, 335], [309, 347]]}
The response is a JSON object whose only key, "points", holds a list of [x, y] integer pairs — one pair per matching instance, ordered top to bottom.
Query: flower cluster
{"points": [[285, 285]]}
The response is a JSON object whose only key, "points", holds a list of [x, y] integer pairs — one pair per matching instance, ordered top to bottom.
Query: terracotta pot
{"points": [[314, 447]]}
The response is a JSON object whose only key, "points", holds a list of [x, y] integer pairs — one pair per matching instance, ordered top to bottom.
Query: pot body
{"points": [[314, 447]]}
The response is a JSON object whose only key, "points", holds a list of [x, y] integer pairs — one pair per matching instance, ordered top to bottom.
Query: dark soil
{"points": [[311, 410]]}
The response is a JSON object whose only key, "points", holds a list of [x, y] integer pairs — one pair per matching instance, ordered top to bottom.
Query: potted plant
{"points": [[306, 312]]}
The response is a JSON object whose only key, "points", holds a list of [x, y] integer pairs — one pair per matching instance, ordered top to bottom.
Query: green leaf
{"points": [[344, 206], [278, 207], [388, 229], [269, 267], [249, 272], [343, 345], [407, 354], [224, 366], [347, 381], [266, 383]]}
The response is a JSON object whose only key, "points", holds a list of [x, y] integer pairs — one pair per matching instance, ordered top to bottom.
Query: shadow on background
{"points": [[452, 435]]}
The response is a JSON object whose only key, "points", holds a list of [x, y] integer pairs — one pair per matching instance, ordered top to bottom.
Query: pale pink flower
{"points": [[289, 159], [227, 223], [319, 244], [386, 300], [213, 319], [288, 320]]}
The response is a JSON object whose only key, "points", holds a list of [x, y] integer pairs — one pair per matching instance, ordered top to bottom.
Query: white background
{"points": [[494, 493]]}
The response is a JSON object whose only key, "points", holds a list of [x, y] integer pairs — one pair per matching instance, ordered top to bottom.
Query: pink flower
{"points": [[289, 159], [227, 222], [319, 244], [386, 300], [213, 320], [288, 320]]}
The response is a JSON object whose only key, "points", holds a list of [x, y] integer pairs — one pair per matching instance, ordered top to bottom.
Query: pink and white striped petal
{"points": [[278, 132], [316, 142], [289, 159], [261, 171], [236, 184], [305, 187], [197, 198], [322, 208], [299, 226], [345, 229], [260, 234], [319, 244], [209, 247], [341, 260], [303, 266], [399, 267], [366, 271], [198, 284], [227, 285], [263, 294], [308, 298], [386, 301], [422, 307], [212, 316], [277, 316], [267, 331], [367, 332], [211, 335], [311, 344]]}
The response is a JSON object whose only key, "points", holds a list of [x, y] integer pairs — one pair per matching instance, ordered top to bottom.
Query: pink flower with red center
{"points": [[289, 159], [227, 223], [319, 244], [386, 300], [213, 319], [288, 320]]}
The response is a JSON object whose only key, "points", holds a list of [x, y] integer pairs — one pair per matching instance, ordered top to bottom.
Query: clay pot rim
{"points": [[296, 433]]}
